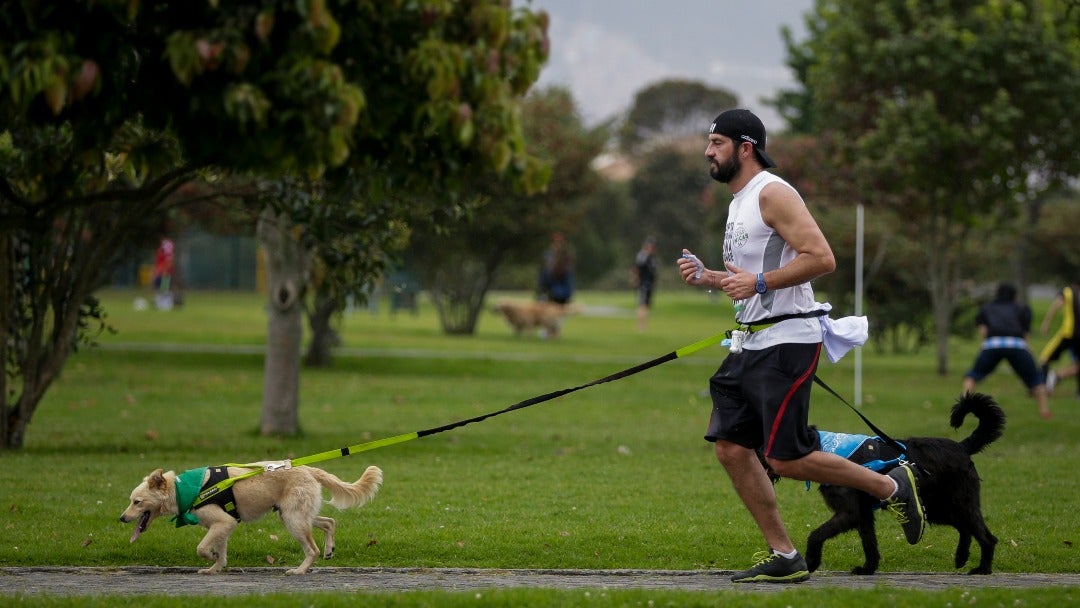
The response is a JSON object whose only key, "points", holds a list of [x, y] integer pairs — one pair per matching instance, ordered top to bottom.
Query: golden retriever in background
{"points": [[526, 316], [296, 493]]}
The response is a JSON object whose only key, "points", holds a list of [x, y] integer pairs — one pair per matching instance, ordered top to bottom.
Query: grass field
{"points": [[615, 476]]}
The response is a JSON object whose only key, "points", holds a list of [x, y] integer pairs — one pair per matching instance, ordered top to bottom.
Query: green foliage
{"points": [[280, 84], [974, 87], [900, 90], [796, 106], [108, 107], [672, 110], [675, 201], [508, 226], [606, 239], [58, 241], [1058, 258], [894, 275]]}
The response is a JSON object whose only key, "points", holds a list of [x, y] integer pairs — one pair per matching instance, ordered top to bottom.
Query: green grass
{"points": [[615, 476], [601, 598]]}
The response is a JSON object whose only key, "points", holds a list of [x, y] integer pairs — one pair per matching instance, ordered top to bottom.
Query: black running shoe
{"points": [[905, 504], [772, 568]]}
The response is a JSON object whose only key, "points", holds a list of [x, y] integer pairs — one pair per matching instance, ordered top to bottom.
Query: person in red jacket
{"points": [[163, 274]]}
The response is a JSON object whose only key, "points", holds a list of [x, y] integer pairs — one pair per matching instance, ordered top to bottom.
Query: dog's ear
{"points": [[156, 480]]}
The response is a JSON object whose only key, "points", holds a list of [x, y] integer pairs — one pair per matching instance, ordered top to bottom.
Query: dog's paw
{"points": [[980, 570], [292, 571], [863, 571]]}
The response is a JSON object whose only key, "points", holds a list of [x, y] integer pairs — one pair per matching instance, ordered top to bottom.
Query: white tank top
{"points": [[752, 245]]}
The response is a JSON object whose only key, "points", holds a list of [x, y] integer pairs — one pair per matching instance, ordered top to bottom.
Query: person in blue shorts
{"points": [[1004, 325]]}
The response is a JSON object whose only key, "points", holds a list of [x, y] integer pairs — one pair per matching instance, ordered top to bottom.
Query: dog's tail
{"points": [[991, 420], [345, 495]]}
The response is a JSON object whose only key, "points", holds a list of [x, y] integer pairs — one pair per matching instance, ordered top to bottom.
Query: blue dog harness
{"points": [[871, 452]]}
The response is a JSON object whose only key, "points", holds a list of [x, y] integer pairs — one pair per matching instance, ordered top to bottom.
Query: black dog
{"points": [[948, 486]]}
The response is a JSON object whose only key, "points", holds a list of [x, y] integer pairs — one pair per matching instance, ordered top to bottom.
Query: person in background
{"points": [[773, 248], [163, 275], [644, 275], [556, 282], [1004, 325], [1064, 339], [1072, 370]]}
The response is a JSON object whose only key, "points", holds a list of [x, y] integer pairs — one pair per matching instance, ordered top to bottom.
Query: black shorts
{"points": [[644, 294], [1021, 360], [761, 400]]}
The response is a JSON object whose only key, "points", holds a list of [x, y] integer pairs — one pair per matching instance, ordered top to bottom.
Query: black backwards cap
{"points": [[743, 125]]}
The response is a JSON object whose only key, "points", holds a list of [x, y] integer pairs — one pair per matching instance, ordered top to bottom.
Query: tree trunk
{"points": [[1031, 209], [7, 261], [286, 272], [47, 280], [942, 280], [458, 296], [457, 316], [943, 323], [323, 336], [38, 348]]}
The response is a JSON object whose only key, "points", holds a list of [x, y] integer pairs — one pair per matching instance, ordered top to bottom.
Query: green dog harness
{"points": [[192, 493]]}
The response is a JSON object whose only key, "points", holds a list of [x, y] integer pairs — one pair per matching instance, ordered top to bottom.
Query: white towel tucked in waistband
{"points": [[843, 334]]}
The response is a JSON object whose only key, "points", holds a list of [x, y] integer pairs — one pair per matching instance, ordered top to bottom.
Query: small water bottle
{"points": [[700, 266]]}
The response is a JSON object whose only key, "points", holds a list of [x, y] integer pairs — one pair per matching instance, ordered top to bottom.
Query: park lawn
{"points": [[614, 476], [800, 596]]}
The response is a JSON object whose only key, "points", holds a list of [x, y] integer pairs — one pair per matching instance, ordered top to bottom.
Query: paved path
{"points": [[173, 581]]}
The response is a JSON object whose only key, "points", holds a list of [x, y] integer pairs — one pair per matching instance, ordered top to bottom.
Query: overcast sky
{"points": [[606, 51]]}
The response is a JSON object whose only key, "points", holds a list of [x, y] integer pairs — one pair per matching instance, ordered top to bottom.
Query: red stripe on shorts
{"points": [[787, 399]]}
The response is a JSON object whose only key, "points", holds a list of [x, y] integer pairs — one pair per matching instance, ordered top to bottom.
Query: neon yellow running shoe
{"points": [[905, 503], [772, 568]]}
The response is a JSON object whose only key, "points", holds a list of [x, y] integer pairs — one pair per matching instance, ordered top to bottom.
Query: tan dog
{"points": [[525, 316], [296, 493]]}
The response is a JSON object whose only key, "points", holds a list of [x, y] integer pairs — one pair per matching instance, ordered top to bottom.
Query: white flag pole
{"points": [[858, 297]]}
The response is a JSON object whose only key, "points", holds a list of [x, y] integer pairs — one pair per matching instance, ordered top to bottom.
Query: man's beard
{"points": [[726, 172]]}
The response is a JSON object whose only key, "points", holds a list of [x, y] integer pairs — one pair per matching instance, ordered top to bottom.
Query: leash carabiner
{"points": [[280, 465]]}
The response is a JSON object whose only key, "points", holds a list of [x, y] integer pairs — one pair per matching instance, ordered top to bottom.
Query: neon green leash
{"points": [[388, 441]]}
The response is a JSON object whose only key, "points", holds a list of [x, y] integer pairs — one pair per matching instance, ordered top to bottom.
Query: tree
{"points": [[982, 90], [108, 107], [796, 107], [672, 110], [674, 200], [60, 231], [605, 238], [351, 245], [1059, 259], [459, 265], [893, 272]]}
